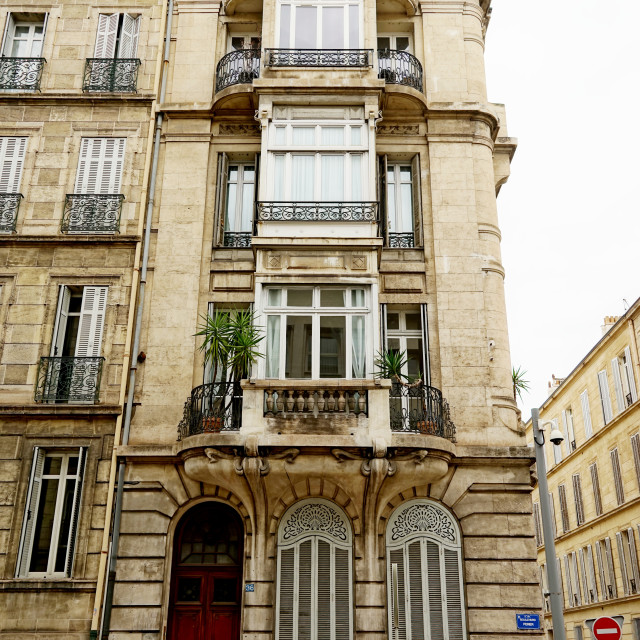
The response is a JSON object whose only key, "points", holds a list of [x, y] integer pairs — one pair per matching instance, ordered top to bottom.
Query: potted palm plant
{"points": [[230, 341]]}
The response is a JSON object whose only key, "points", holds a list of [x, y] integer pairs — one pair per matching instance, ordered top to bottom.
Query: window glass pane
{"points": [[285, 25], [354, 27], [333, 28], [305, 31], [384, 42], [237, 43], [402, 43], [281, 135], [304, 136], [332, 136], [356, 136], [233, 173], [248, 173], [405, 174], [391, 176], [302, 177], [356, 177], [278, 178], [332, 178], [247, 207], [391, 207], [407, 212], [230, 217], [274, 297], [332, 297], [300, 298], [357, 298], [393, 321], [413, 321], [299, 343], [393, 344], [273, 346], [332, 346], [414, 356], [52, 465], [72, 468], [65, 524], [44, 525], [188, 590]]}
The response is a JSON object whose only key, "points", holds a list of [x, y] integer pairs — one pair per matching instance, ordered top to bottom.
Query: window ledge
{"points": [[60, 409], [48, 584]]}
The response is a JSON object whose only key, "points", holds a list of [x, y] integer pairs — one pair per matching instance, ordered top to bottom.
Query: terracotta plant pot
{"points": [[211, 425], [427, 427]]}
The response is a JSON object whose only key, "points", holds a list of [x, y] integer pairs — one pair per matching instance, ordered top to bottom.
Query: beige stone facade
{"points": [[410, 154], [597, 471]]}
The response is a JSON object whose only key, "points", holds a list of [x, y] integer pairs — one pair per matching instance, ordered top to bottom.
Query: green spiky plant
{"points": [[520, 385]]}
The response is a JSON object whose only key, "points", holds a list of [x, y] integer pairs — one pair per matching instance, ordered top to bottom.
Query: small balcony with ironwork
{"points": [[342, 58], [238, 67], [400, 68], [21, 74], [111, 75], [9, 205], [86, 213], [318, 219], [69, 380]]}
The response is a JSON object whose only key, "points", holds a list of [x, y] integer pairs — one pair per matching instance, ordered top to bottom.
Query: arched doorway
{"points": [[206, 582]]}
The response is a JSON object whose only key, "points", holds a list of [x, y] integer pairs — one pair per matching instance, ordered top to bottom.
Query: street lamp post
{"points": [[553, 579]]}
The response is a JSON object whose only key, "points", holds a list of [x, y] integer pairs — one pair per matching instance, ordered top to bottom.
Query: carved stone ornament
{"points": [[240, 129], [399, 130], [315, 517], [422, 518]]}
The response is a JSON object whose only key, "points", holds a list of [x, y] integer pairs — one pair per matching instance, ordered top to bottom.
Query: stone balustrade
{"points": [[295, 400]]}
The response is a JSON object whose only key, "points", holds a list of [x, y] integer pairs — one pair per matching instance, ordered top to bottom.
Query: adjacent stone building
{"points": [[333, 166], [594, 482]]}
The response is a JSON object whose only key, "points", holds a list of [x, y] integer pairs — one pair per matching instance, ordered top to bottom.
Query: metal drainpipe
{"points": [[115, 539]]}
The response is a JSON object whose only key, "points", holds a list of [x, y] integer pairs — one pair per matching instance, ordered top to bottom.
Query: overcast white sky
{"points": [[569, 74]]}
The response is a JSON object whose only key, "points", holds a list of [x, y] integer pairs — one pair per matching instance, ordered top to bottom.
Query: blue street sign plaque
{"points": [[249, 587], [528, 620]]}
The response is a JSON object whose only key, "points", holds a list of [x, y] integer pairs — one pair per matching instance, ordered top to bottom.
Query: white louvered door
{"points": [[106, 35], [128, 45], [12, 152], [100, 165], [94, 304], [628, 366], [617, 385], [605, 398], [586, 414], [30, 513]]}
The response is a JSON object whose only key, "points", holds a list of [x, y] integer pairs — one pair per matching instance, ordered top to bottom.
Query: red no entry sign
{"points": [[606, 629]]}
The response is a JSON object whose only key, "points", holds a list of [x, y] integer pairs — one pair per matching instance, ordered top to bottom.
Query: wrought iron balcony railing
{"points": [[318, 57], [238, 67], [399, 67], [21, 73], [115, 75], [9, 205], [318, 211], [92, 213], [237, 239], [401, 240], [69, 380], [293, 401], [212, 408], [420, 409]]}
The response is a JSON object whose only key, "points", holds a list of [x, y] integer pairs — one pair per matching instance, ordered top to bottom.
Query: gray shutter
{"points": [[106, 35], [128, 45], [12, 152], [256, 183], [382, 197], [416, 197], [221, 199], [94, 304], [60, 326], [383, 327], [426, 363], [628, 365], [617, 385], [605, 399], [586, 414], [565, 428], [635, 447], [617, 476], [577, 497], [597, 498], [75, 511], [564, 511], [30, 513], [553, 515], [537, 523], [633, 557], [623, 563], [559, 569], [610, 570], [567, 571], [602, 571], [583, 574], [575, 577], [287, 580], [305, 583], [434, 584], [593, 587], [342, 588], [415, 590], [454, 594], [397, 608], [324, 620]]}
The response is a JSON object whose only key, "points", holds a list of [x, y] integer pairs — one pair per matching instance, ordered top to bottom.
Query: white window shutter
{"points": [[7, 36], [106, 36], [128, 46], [12, 152], [112, 164], [88, 165], [100, 165], [94, 304], [60, 326], [628, 365], [617, 385], [605, 399], [586, 414], [565, 428], [635, 448], [552, 508], [75, 511], [30, 513], [633, 556], [623, 563], [306, 569], [602, 571], [567, 572], [583, 575], [575, 576], [611, 576], [434, 584], [593, 587], [287, 588], [342, 588], [415, 589], [454, 592], [397, 595]]}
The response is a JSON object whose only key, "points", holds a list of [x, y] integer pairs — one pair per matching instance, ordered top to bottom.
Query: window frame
{"points": [[9, 35], [240, 183]]}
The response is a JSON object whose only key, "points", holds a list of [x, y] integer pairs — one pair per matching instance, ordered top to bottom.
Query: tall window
{"points": [[309, 24], [117, 36], [23, 38], [313, 161], [399, 190], [317, 332], [623, 380], [605, 398], [586, 414], [569, 433], [557, 448], [50, 522], [604, 557], [628, 557], [424, 573], [314, 597]]}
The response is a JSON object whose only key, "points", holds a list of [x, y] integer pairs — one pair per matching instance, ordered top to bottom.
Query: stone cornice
{"points": [[57, 99], [69, 239], [60, 410]]}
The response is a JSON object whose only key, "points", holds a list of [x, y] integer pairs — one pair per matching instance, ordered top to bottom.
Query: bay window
{"points": [[317, 332]]}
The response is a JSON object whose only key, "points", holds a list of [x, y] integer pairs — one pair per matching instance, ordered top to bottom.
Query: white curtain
{"points": [[304, 136], [332, 136], [302, 170], [356, 177], [278, 178], [332, 178], [273, 346], [357, 346]]}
